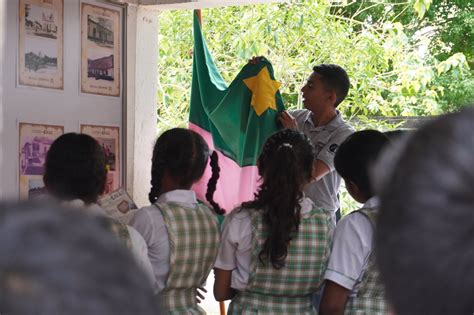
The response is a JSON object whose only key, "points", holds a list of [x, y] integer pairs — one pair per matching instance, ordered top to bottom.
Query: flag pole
{"points": [[221, 303]]}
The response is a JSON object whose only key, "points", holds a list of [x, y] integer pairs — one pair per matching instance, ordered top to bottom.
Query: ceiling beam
{"points": [[192, 4]]}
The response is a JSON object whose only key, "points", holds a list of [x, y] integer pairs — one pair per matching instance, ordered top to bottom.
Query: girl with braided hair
{"points": [[181, 232], [274, 249]]}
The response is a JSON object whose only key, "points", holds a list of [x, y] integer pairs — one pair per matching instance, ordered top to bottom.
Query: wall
{"points": [[63, 107]]}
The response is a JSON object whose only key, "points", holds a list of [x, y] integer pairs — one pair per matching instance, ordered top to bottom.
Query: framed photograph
{"points": [[100, 50], [40, 53], [109, 139], [34, 143]]}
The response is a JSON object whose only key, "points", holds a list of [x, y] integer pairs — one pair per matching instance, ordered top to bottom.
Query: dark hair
{"points": [[334, 77], [184, 154], [356, 155], [285, 166], [75, 168], [424, 237], [54, 261]]}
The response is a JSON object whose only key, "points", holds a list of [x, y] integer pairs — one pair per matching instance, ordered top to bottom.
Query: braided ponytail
{"points": [[211, 184]]}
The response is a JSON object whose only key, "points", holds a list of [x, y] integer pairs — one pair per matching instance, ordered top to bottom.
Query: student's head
{"points": [[328, 85], [181, 156], [354, 158], [285, 167], [75, 168], [425, 232], [64, 262]]}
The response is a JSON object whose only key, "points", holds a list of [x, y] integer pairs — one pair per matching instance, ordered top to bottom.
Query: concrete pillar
{"points": [[141, 108]]}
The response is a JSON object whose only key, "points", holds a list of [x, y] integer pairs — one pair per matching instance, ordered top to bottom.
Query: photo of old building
{"points": [[99, 30]]}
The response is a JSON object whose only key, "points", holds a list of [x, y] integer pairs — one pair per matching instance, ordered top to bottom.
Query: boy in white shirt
{"points": [[352, 284]]}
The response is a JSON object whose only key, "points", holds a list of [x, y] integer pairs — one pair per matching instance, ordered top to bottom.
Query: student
{"points": [[324, 90], [75, 174], [181, 232], [425, 238], [274, 249], [55, 261], [352, 284]]}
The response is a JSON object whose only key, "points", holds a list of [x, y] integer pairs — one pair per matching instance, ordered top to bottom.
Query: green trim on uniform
{"points": [[194, 242], [287, 290], [370, 296]]}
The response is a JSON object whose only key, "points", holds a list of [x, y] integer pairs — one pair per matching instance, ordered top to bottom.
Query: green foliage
{"points": [[407, 58], [391, 69]]}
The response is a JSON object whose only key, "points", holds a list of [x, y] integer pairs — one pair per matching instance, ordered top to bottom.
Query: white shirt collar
{"points": [[179, 195], [373, 202]]}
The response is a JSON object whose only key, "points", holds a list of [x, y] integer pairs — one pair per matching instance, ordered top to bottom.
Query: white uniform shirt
{"points": [[326, 139], [149, 222], [236, 244], [138, 248], [351, 248]]}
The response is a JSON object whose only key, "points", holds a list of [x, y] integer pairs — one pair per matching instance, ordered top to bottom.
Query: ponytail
{"points": [[285, 166], [211, 184], [282, 214]]}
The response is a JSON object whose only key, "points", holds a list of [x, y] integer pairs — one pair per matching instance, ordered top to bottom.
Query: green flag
{"points": [[239, 117]]}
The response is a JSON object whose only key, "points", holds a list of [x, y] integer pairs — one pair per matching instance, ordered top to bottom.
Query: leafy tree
{"points": [[392, 69]]}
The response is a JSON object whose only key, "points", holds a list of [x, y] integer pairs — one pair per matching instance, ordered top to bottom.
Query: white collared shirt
{"points": [[149, 222], [236, 244], [351, 248]]}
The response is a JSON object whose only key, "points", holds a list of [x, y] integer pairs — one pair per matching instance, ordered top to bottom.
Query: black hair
{"points": [[336, 78], [184, 154], [356, 155], [285, 166], [75, 168], [425, 231], [54, 261]]}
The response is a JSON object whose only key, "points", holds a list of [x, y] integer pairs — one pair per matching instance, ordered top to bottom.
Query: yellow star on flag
{"points": [[263, 91]]}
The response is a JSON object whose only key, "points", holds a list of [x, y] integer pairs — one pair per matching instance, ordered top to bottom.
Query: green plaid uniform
{"points": [[194, 242], [287, 290], [370, 296]]}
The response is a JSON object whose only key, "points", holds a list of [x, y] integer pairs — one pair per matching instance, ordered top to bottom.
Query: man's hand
{"points": [[255, 60], [287, 121]]}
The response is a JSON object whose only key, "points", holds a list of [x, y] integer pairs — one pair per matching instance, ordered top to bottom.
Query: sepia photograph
{"points": [[40, 21], [100, 31], [100, 50], [40, 56], [40, 60], [100, 66], [109, 139], [34, 143]]}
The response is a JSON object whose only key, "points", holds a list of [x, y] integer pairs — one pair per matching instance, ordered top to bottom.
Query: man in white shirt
{"points": [[324, 90]]}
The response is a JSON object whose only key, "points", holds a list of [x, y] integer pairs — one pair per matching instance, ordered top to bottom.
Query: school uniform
{"points": [[326, 139], [125, 233], [183, 237], [352, 262], [261, 288]]}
